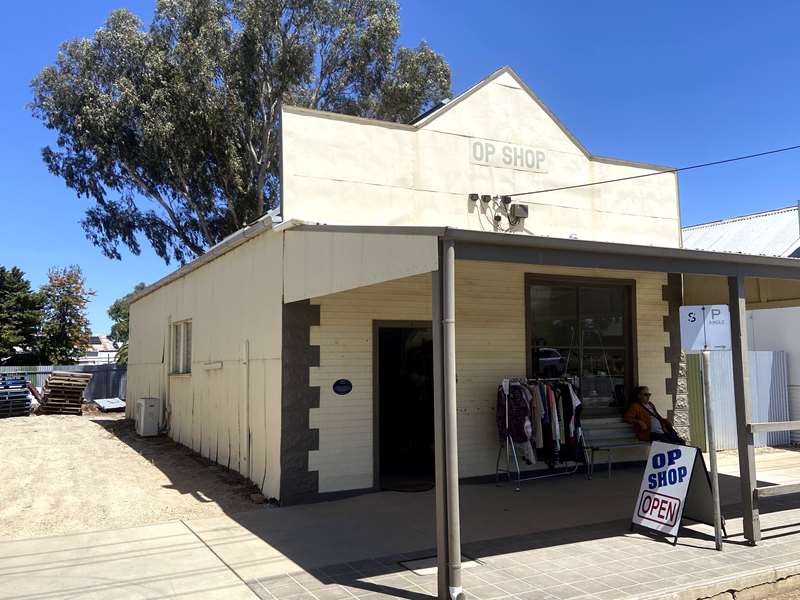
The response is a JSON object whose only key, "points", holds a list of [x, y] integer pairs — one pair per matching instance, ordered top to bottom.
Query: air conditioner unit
{"points": [[148, 416]]}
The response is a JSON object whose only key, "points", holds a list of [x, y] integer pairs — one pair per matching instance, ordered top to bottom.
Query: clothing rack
{"points": [[509, 446]]}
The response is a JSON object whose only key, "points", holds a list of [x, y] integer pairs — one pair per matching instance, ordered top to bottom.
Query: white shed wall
{"points": [[233, 299]]}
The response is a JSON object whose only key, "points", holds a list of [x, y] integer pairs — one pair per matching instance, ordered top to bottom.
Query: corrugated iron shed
{"points": [[770, 233]]}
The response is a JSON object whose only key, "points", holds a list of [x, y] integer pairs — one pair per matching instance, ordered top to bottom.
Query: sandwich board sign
{"points": [[705, 328], [675, 486]]}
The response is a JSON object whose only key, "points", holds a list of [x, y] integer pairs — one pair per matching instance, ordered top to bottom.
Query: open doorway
{"points": [[404, 407]]}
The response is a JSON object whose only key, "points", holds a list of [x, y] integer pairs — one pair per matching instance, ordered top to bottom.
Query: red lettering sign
{"points": [[659, 508]]}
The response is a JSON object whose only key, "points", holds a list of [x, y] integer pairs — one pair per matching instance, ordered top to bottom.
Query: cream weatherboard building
{"points": [[402, 279]]}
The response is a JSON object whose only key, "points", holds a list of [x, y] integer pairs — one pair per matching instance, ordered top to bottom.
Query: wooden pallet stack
{"points": [[63, 393], [14, 399]]}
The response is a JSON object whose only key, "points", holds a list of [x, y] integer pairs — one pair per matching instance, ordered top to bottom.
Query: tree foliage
{"points": [[172, 130], [119, 312], [20, 313], [65, 325]]}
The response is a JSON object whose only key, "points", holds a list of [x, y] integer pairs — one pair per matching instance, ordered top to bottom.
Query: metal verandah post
{"points": [[741, 392], [451, 419], [439, 436], [448, 527]]}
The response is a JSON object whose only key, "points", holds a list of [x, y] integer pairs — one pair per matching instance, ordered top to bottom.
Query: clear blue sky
{"points": [[673, 83]]}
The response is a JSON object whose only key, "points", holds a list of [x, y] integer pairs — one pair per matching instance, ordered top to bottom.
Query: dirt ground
{"points": [[64, 474]]}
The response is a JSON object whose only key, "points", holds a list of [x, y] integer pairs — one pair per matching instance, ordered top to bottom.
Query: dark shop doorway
{"points": [[404, 407]]}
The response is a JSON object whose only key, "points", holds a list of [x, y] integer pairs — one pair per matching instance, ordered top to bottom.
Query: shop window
{"points": [[583, 331], [182, 347]]}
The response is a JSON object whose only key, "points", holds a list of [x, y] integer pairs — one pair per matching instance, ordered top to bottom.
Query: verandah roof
{"points": [[324, 259]]}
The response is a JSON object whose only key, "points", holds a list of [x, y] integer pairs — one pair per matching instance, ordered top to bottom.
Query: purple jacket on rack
{"points": [[518, 410]]}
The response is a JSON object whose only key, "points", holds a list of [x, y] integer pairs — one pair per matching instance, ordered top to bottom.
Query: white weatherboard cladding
{"points": [[356, 172], [318, 263], [233, 298], [490, 345]]}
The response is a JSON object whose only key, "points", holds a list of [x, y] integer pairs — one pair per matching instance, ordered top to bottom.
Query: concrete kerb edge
{"points": [[761, 583]]}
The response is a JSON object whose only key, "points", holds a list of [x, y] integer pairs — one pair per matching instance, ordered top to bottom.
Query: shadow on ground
{"points": [[188, 471], [359, 542]]}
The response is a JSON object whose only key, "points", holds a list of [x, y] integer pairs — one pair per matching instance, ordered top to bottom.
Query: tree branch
{"points": [[151, 191], [201, 217]]}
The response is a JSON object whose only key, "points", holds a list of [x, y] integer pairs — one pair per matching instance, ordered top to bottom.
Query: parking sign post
{"points": [[705, 329], [712, 450]]}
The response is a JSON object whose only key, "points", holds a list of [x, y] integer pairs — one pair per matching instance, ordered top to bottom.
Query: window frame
{"points": [[180, 350], [632, 366]]}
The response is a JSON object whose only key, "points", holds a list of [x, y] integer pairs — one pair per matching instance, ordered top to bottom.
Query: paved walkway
{"points": [[559, 538], [598, 562]]}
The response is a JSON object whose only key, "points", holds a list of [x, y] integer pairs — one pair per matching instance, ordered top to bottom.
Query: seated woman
{"points": [[649, 425]]}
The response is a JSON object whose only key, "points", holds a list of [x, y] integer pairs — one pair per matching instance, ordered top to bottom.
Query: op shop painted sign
{"points": [[507, 156], [675, 486]]}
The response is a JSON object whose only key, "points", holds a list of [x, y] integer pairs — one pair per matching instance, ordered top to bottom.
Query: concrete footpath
{"points": [[560, 538], [153, 561], [602, 562]]}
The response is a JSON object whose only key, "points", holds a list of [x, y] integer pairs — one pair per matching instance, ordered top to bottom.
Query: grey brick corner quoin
{"points": [[298, 485]]}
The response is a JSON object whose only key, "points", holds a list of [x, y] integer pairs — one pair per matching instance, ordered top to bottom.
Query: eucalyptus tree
{"points": [[172, 129]]}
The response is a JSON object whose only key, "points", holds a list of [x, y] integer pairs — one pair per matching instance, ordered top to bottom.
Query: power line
{"points": [[676, 170]]}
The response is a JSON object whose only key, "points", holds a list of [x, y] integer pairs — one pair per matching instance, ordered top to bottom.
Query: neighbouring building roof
{"points": [[769, 233], [101, 343]]}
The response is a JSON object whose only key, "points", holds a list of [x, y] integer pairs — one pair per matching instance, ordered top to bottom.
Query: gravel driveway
{"points": [[64, 474]]}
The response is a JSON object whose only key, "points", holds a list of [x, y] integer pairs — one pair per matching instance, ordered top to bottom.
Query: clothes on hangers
{"points": [[513, 407], [537, 411], [514, 417], [542, 418], [555, 418]]}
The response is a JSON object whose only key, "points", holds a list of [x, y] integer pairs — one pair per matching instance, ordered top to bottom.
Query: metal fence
{"points": [[108, 381], [769, 392]]}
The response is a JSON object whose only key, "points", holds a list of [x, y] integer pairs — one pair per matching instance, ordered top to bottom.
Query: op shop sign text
{"points": [[507, 156]]}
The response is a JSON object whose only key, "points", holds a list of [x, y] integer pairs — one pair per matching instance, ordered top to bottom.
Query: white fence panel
{"points": [[108, 380], [769, 389]]}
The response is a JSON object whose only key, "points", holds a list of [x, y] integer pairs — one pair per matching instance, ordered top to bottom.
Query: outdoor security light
{"points": [[519, 211]]}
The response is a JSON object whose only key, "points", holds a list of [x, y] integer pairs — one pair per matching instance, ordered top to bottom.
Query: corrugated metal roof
{"points": [[770, 233]]}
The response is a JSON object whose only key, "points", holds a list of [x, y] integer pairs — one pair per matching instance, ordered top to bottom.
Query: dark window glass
{"points": [[582, 331]]}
